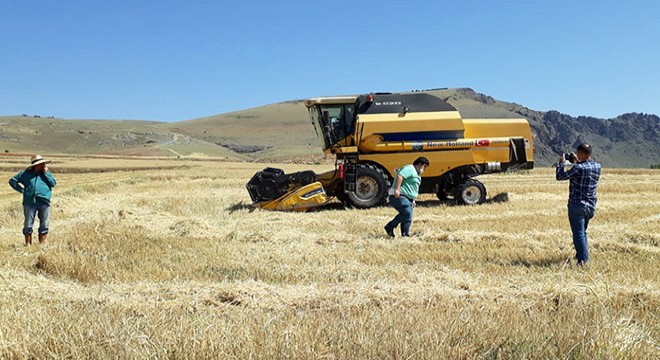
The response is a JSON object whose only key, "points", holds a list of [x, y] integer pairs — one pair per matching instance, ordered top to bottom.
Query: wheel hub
{"points": [[366, 188], [471, 194]]}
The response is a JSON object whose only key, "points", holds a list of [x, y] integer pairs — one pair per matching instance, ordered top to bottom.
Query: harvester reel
{"points": [[306, 177], [272, 183], [268, 190]]}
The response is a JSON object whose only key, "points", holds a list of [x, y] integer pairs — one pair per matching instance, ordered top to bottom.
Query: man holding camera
{"points": [[583, 176], [35, 183]]}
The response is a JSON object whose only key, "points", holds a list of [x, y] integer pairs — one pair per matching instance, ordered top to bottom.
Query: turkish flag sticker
{"points": [[483, 142]]}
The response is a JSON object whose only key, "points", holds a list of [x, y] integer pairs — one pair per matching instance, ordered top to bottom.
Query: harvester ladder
{"points": [[350, 174]]}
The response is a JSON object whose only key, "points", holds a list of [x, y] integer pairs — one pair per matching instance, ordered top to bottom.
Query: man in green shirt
{"points": [[35, 183], [403, 193]]}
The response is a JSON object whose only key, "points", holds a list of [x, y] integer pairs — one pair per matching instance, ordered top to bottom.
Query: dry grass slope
{"points": [[173, 263]]}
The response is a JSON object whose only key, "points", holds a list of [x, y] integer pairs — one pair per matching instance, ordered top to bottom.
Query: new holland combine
{"points": [[375, 134]]}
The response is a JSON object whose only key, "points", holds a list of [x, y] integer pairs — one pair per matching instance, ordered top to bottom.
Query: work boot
{"points": [[389, 231], [42, 238], [28, 239]]}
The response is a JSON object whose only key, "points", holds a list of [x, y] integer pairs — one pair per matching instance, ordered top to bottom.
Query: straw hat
{"points": [[36, 160]]}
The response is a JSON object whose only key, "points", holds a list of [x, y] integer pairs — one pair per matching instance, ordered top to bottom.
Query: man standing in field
{"points": [[583, 176], [35, 183], [403, 193]]}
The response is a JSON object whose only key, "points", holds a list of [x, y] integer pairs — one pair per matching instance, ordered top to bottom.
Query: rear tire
{"points": [[371, 188], [471, 192]]}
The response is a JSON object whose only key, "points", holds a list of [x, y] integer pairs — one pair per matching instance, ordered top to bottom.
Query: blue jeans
{"points": [[405, 208], [40, 209], [579, 216]]}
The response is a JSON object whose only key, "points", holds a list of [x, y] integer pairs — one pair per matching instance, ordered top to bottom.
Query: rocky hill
{"points": [[282, 132], [630, 140]]}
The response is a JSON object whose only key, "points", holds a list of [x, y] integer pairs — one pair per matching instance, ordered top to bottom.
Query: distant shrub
{"points": [[656, 166]]}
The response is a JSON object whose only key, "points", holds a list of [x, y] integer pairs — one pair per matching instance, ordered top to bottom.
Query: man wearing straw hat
{"points": [[35, 183]]}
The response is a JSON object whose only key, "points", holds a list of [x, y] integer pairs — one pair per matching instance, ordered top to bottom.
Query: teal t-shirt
{"points": [[411, 181]]}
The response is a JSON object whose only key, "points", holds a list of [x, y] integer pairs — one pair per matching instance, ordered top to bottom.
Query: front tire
{"points": [[371, 187], [471, 192]]}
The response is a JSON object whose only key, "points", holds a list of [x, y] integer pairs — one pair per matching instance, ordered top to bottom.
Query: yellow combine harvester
{"points": [[373, 135]]}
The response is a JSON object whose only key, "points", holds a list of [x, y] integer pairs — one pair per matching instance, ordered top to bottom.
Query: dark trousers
{"points": [[405, 208], [579, 216]]}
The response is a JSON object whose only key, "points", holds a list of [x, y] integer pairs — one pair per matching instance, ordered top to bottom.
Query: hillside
{"points": [[279, 131], [282, 132], [33, 134], [629, 140]]}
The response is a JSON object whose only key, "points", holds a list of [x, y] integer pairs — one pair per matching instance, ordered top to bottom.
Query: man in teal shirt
{"points": [[35, 183], [403, 193]]}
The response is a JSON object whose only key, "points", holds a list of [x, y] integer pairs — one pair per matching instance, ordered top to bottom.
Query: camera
{"points": [[570, 157]]}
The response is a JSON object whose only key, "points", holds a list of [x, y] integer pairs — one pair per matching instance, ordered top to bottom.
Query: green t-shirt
{"points": [[410, 183]]}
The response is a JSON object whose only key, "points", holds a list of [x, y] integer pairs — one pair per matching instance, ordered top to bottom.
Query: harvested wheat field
{"points": [[168, 260]]}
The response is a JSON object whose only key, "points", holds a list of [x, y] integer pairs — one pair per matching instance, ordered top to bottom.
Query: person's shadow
{"points": [[546, 261]]}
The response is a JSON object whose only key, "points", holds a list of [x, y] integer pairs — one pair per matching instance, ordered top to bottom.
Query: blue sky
{"points": [[179, 60]]}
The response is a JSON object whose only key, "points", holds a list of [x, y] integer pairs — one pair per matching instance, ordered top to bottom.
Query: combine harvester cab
{"points": [[373, 135]]}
